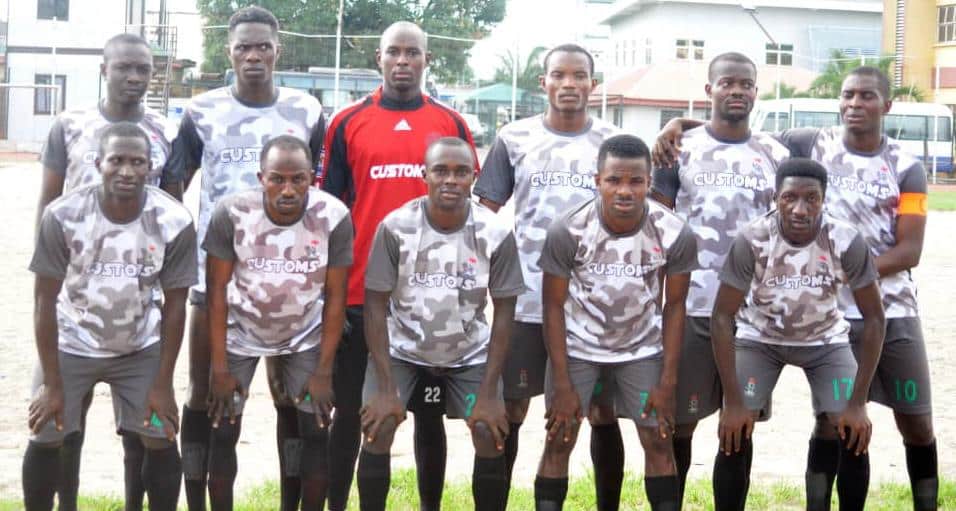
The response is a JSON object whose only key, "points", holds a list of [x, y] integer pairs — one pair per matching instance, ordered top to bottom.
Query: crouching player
{"points": [[113, 262], [793, 262], [433, 263], [604, 263], [276, 272]]}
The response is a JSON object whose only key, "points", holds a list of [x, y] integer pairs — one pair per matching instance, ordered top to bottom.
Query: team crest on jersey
{"points": [[402, 125], [312, 249], [822, 265], [468, 272], [750, 390], [693, 406]]}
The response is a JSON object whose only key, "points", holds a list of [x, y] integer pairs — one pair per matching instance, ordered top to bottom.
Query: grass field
{"points": [[942, 200], [457, 496]]}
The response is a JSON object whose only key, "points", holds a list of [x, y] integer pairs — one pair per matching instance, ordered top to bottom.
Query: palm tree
{"points": [[528, 72], [829, 83]]}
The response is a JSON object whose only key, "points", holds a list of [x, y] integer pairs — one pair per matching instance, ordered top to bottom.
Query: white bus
{"points": [[923, 129]]}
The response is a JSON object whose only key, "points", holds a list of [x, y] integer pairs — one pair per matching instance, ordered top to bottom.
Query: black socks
{"points": [[194, 436], [345, 437], [289, 445], [430, 453], [70, 454], [133, 454], [682, 455], [607, 456], [823, 461], [222, 463], [923, 467], [41, 473], [161, 476], [374, 476], [732, 478], [853, 480], [489, 485], [663, 492], [549, 493]]}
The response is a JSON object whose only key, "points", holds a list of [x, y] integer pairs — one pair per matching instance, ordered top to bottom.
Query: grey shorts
{"points": [[830, 369], [292, 370], [523, 373], [129, 377], [901, 381], [698, 382], [631, 383], [461, 384]]}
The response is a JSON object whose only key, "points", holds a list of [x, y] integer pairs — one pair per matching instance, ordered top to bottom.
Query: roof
{"points": [[627, 8], [673, 84], [499, 92]]}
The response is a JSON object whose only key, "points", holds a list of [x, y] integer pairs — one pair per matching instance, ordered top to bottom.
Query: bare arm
{"points": [[667, 146], [51, 187], [659, 197], [490, 204], [910, 230], [554, 294], [728, 301], [869, 302], [504, 311], [674, 314], [376, 335], [224, 385], [319, 386], [49, 403], [161, 409]]}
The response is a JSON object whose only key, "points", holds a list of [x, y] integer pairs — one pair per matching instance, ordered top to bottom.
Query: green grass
{"points": [[942, 200], [404, 497]]}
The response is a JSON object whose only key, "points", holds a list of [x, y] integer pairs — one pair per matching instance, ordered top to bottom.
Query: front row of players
{"points": [[616, 275]]}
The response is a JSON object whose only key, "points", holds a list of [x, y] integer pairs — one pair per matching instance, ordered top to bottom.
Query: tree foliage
{"points": [[470, 19], [528, 71], [830, 81]]}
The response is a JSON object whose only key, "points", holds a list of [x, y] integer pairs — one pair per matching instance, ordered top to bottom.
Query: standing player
{"points": [[222, 132], [69, 157], [374, 160], [547, 163], [723, 179], [881, 190], [434, 261], [113, 262], [603, 264], [792, 264], [277, 265]]}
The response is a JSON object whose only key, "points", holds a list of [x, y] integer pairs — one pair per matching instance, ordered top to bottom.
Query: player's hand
{"points": [[667, 146], [224, 392], [318, 392], [660, 402], [48, 404], [382, 406], [161, 410], [492, 413], [564, 414], [854, 419], [736, 424]]}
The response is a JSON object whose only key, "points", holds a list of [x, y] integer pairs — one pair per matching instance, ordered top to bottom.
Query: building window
{"points": [[49, 9], [947, 23], [648, 45], [687, 48], [781, 54], [43, 97], [617, 114], [668, 114]]}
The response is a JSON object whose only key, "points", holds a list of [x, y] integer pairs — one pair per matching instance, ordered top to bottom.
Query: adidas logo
{"points": [[402, 125]]}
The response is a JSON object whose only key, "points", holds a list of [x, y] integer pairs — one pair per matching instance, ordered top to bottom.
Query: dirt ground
{"points": [[780, 445]]}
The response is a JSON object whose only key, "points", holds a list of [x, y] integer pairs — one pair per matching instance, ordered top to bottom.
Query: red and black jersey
{"points": [[375, 159]]}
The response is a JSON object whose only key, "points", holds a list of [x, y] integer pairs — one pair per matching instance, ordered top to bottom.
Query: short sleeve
{"points": [[798, 140], [316, 141], [186, 153], [55, 155], [336, 177], [913, 179], [496, 181], [666, 181], [220, 234], [340, 243], [557, 254], [682, 254], [51, 257], [179, 264], [858, 264], [738, 270], [382, 271], [505, 279]]}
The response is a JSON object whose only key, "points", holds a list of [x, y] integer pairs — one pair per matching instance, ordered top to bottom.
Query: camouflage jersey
{"points": [[223, 135], [73, 145], [548, 172], [718, 187], [864, 190], [113, 274], [439, 282], [277, 290], [793, 290], [613, 311]]}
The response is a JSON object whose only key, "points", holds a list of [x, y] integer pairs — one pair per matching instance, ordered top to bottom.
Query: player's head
{"points": [[253, 45], [402, 56], [127, 67], [568, 78], [731, 86], [864, 100], [123, 160], [449, 173], [286, 174], [623, 176], [801, 190]]}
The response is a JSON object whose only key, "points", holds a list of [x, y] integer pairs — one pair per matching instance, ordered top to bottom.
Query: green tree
{"points": [[469, 19], [528, 71], [830, 81], [786, 92]]}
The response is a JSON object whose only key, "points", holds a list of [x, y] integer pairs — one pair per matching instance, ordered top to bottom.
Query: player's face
{"points": [[253, 50], [402, 58], [127, 69], [568, 81], [733, 91], [861, 105], [124, 166], [449, 174], [285, 178], [622, 184], [800, 203]]}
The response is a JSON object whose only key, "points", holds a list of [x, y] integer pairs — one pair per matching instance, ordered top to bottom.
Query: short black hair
{"points": [[253, 14], [119, 39], [570, 48], [730, 56], [882, 81], [123, 129], [449, 142], [289, 143], [623, 146], [802, 167]]}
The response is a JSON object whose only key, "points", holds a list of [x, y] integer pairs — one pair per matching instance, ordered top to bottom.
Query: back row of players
{"points": [[279, 286]]}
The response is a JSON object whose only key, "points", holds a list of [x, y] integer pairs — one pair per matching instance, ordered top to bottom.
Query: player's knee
{"points": [[197, 393], [516, 410], [601, 413], [826, 427], [916, 429], [685, 430], [226, 435], [484, 441], [381, 443], [156, 444], [559, 446], [658, 451], [313, 457]]}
